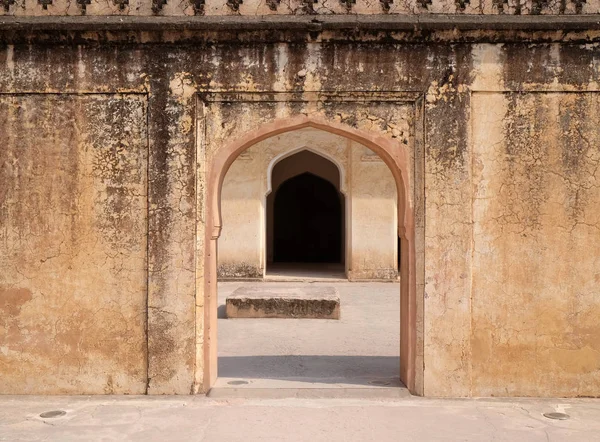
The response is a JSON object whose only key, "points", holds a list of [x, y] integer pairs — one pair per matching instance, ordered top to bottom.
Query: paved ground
{"points": [[299, 272], [359, 350], [321, 357], [191, 419]]}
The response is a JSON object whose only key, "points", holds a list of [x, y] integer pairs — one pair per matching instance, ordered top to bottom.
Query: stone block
{"points": [[262, 301]]}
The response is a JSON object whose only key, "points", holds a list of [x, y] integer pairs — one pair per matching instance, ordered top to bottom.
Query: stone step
{"points": [[262, 301], [310, 393]]}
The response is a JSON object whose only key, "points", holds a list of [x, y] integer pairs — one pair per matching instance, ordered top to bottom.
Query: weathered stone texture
{"points": [[292, 7], [508, 145], [172, 223], [447, 228], [73, 243], [536, 254], [239, 270], [264, 301]]}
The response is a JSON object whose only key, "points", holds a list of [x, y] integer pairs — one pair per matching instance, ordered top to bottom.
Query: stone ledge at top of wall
{"points": [[374, 22]]}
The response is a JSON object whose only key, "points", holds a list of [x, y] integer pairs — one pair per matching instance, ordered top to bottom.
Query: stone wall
{"points": [[102, 197], [73, 241], [535, 270]]}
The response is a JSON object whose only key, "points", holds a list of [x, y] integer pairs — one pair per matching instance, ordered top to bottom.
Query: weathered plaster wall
{"points": [[368, 185], [171, 210], [373, 216], [242, 242], [447, 242], [73, 244], [536, 253], [501, 269], [472, 338]]}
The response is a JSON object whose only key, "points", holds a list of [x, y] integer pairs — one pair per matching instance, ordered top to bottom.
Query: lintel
{"points": [[311, 96]]}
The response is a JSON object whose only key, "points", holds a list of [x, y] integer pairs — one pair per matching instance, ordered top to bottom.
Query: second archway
{"points": [[306, 228]]}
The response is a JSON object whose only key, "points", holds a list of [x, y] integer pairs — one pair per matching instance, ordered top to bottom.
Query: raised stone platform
{"points": [[263, 301]]}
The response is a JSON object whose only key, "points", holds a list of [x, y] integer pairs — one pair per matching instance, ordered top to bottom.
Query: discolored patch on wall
{"points": [[73, 243], [13, 299]]}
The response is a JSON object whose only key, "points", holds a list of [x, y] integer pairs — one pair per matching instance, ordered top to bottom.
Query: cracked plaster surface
{"points": [[172, 74], [73, 244], [536, 264]]}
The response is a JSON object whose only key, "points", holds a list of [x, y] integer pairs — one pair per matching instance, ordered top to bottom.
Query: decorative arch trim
{"points": [[393, 155], [397, 160]]}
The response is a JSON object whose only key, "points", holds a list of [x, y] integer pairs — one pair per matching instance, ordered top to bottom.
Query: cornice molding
{"points": [[308, 23]]}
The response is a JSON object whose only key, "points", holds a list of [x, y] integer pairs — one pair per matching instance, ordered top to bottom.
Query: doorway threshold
{"points": [[305, 272], [308, 388]]}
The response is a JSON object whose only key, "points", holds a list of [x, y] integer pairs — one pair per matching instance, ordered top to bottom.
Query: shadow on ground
{"points": [[357, 370]]}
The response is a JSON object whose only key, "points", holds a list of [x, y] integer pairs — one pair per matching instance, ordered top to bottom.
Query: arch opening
{"points": [[397, 161], [305, 210]]}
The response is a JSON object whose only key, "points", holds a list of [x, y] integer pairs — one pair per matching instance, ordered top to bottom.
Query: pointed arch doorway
{"points": [[398, 161], [306, 216]]}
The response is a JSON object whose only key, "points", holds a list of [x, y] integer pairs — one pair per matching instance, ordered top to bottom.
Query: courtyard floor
{"points": [[360, 350], [342, 377], [197, 418]]}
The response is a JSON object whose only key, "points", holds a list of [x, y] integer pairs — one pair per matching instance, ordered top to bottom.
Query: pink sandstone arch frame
{"points": [[398, 162]]}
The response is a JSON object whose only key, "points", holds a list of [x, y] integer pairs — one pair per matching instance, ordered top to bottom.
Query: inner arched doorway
{"points": [[305, 214]]}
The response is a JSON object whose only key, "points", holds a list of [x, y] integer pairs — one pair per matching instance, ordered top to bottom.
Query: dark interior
{"points": [[307, 221]]}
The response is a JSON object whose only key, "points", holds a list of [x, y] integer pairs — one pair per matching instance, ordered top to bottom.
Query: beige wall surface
{"points": [[302, 161], [365, 180], [373, 217], [104, 225], [73, 244], [241, 245], [536, 250]]}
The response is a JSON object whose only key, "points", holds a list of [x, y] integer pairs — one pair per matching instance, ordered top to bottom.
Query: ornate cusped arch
{"points": [[397, 160]]}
